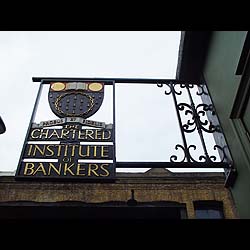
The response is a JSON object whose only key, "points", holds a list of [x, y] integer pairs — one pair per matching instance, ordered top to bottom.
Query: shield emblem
{"points": [[75, 99]]}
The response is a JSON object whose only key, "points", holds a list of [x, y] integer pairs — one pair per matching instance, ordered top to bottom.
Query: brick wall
{"points": [[152, 188]]}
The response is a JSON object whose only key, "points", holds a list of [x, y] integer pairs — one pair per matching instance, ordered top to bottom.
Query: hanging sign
{"points": [[70, 147]]}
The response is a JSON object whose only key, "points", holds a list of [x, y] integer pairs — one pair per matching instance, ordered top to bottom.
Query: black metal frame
{"points": [[193, 124]]}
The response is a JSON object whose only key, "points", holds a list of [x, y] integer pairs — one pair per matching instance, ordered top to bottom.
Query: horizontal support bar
{"points": [[109, 81], [172, 165]]}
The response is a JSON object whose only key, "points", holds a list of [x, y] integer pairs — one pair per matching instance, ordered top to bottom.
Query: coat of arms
{"points": [[75, 99]]}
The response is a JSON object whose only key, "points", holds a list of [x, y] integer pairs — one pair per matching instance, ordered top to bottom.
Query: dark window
{"points": [[208, 210], [119, 211]]}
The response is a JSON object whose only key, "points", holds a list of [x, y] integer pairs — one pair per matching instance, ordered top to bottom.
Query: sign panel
{"points": [[68, 120], [73, 134], [64, 148], [56, 151], [65, 170]]}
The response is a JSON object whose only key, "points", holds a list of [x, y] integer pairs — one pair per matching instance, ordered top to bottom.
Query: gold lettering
{"points": [[71, 126], [108, 132], [32, 133], [54, 133], [64, 133], [73, 133], [89, 133], [45, 134], [81, 134], [98, 134], [73, 147], [30, 148], [37, 148], [59, 149], [104, 149], [50, 150], [66, 150], [87, 151], [94, 151], [66, 159], [28, 166], [95, 167], [102, 167], [40, 168], [67, 168], [79, 169], [58, 171]]}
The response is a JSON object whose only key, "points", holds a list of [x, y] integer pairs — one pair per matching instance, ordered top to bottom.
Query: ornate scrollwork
{"points": [[187, 85], [191, 85], [171, 88], [201, 88], [201, 110], [196, 120], [190, 126], [223, 154], [190, 156], [174, 158], [202, 158], [207, 158]]}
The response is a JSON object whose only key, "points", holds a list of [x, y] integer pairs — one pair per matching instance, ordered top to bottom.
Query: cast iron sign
{"points": [[71, 147]]}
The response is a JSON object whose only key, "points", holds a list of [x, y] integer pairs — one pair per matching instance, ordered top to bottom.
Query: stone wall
{"points": [[153, 187]]}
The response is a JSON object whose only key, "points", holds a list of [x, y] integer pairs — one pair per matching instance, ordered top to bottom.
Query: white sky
{"points": [[144, 131]]}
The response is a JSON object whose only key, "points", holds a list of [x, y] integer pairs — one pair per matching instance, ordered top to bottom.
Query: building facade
{"points": [[217, 58], [221, 60], [157, 194]]}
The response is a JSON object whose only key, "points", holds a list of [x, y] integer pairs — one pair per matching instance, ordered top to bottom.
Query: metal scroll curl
{"points": [[187, 85], [171, 87], [201, 89], [201, 110], [193, 117], [196, 120], [190, 125], [174, 158], [202, 158], [207, 158]]}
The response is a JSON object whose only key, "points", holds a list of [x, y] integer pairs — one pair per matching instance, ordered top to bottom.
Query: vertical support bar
{"points": [[36, 103], [179, 120], [197, 122], [30, 124], [114, 130], [219, 137], [190, 209]]}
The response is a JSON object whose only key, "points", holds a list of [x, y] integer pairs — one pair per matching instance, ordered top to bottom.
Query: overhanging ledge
{"points": [[192, 54]]}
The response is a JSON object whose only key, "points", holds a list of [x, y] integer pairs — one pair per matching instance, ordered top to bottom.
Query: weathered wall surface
{"points": [[223, 83], [152, 189]]}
